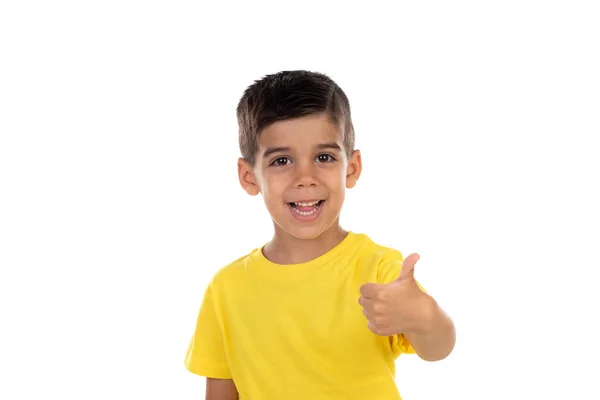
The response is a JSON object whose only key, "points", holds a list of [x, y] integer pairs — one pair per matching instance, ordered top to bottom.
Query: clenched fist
{"points": [[398, 307]]}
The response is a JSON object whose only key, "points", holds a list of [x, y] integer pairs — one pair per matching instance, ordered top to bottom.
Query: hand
{"points": [[398, 307]]}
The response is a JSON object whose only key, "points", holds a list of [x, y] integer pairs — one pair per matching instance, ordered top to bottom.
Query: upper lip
{"points": [[305, 201]]}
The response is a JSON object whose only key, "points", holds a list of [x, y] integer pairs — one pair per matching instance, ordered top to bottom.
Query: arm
{"points": [[403, 307], [434, 337], [220, 389]]}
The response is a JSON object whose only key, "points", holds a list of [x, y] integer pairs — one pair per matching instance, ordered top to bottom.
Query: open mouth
{"points": [[306, 208]]}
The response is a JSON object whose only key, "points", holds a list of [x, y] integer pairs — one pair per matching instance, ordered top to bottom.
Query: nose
{"points": [[306, 175]]}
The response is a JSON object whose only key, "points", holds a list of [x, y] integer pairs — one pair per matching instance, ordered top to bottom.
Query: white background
{"points": [[478, 124]]}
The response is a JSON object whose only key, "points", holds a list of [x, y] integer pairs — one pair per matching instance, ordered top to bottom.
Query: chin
{"points": [[303, 225], [306, 232]]}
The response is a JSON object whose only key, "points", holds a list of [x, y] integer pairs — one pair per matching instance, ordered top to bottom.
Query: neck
{"points": [[287, 249]]}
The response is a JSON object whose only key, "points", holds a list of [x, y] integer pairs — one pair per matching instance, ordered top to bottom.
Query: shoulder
{"points": [[380, 252], [387, 259], [233, 271]]}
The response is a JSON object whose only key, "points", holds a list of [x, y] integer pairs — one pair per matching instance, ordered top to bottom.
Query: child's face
{"points": [[302, 172]]}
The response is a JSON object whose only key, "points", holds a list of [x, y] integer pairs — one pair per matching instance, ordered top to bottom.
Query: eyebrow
{"points": [[323, 146]]}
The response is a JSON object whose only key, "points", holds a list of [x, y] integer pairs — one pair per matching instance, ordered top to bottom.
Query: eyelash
{"points": [[330, 158]]}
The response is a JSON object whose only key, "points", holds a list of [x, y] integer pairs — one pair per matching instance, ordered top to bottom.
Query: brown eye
{"points": [[324, 158], [281, 161]]}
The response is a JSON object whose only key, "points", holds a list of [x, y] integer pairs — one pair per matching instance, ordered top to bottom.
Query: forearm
{"points": [[435, 338]]}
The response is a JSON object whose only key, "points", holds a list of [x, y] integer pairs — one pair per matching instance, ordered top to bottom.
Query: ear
{"points": [[354, 169], [247, 178]]}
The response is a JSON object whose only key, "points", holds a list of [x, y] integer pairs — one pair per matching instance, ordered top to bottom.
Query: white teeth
{"points": [[312, 203], [306, 213]]}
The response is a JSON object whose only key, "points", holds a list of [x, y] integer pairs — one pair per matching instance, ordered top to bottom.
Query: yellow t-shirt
{"points": [[286, 332]]}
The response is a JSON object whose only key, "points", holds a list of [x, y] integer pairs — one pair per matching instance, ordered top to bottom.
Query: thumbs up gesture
{"points": [[397, 307]]}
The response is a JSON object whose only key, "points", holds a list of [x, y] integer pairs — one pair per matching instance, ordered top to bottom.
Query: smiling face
{"points": [[302, 172]]}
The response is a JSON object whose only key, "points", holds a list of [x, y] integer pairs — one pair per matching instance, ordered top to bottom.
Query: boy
{"points": [[318, 312]]}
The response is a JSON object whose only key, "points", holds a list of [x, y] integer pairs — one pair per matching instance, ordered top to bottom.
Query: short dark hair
{"points": [[291, 94]]}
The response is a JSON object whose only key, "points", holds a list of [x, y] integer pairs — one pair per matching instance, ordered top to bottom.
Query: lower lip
{"points": [[310, 217]]}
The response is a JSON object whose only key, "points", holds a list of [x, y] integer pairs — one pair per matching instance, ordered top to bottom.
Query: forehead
{"points": [[300, 132]]}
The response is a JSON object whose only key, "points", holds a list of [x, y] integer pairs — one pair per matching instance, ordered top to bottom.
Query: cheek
{"points": [[335, 181], [273, 186]]}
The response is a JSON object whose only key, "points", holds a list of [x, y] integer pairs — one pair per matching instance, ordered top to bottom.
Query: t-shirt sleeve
{"points": [[390, 267], [206, 352]]}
